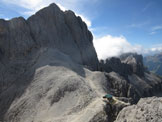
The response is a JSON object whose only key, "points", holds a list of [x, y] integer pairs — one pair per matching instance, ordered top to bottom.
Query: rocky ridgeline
{"points": [[52, 28], [126, 64], [50, 72], [132, 79]]}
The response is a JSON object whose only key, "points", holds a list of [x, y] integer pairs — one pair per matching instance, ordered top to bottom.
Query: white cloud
{"points": [[34, 5], [61, 7], [6, 18], [139, 25], [155, 28], [152, 33], [108, 46], [156, 48], [152, 51]]}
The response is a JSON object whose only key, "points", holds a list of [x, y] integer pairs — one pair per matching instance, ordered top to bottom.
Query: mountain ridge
{"points": [[63, 29], [50, 72]]}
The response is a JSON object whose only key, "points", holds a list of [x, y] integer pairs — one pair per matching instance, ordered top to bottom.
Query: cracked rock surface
{"points": [[146, 110]]}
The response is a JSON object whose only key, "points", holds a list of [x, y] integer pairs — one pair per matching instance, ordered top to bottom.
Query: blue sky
{"points": [[117, 25]]}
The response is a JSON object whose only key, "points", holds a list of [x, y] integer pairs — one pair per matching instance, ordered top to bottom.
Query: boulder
{"points": [[147, 110]]}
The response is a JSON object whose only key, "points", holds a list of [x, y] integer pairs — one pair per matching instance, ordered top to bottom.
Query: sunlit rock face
{"points": [[147, 110]]}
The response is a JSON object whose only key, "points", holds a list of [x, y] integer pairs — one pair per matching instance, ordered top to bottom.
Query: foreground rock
{"points": [[53, 88], [147, 110]]}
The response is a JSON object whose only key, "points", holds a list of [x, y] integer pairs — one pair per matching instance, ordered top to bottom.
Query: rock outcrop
{"points": [[52, 28], [135, 61], [115, 64], [126, 64], [128, 78], [147, 110]]}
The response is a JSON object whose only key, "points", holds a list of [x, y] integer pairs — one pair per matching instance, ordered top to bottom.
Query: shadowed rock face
{"points": [[52, 28], [15, 38], [135, 61], [115, 64], [126, 64], [129, 78]]}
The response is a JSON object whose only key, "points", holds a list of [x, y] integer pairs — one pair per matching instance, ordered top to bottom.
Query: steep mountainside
{"points": [[52, 28], [154, 63], [50, 72]]}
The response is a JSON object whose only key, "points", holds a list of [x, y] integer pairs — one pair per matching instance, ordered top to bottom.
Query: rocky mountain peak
{"points": [[51, 28], [135, 61], [125, 65]]}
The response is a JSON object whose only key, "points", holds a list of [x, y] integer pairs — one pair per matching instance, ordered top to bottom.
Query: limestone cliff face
{"points": [[52, 28], [15, 38]]}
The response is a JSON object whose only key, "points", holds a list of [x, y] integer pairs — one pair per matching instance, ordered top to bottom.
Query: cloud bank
{"points": [[109, 46]]}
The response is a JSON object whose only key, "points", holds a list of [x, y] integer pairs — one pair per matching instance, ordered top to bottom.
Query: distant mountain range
{"points": [[154, 63]]}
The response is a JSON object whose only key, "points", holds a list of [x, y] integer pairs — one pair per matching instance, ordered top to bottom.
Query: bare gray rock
{"points": [[54, 28], [15, 38], [135, 61], [115, 64], [45, 76], [128, 78], [53, 88], [147, 110]]}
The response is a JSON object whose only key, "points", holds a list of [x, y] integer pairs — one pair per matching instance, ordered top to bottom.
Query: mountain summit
{"points": [[52, 28]]}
